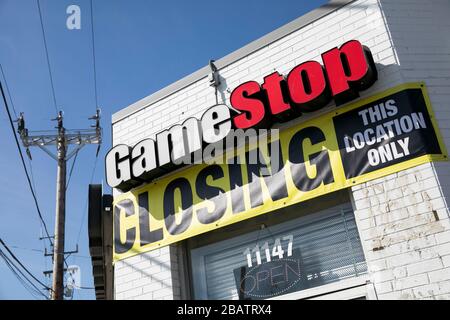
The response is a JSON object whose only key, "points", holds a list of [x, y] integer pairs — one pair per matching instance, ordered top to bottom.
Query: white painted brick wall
{"points": [[420, 32], [407, 226], [407, 250], [151, 275]]}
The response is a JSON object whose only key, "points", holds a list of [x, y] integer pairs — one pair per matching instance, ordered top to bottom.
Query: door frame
{"points": [[353, 288]]}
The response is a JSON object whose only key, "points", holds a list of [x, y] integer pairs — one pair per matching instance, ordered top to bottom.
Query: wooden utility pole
{"points": [[62, 140], [60, 218]]}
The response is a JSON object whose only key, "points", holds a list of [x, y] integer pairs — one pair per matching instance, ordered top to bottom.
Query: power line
{"points": [[46, 54], [93, 56], [7, 89], [96, 106], [15, 113], [23, 164], [71, 169], [31, 173], [86, 203], [85, 211], [84, 214], [42, 223], [28, 249], [42, 251], [21, 264], [13, 270], [22, 282], [30, 286]]}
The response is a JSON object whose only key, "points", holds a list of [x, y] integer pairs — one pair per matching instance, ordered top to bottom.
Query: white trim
{"points": [[326, 289], [371, 292], [348, 294]]}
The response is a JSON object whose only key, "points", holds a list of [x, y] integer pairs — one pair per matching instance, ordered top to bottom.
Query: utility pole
{"points": [[62, 140], [60, 219]]}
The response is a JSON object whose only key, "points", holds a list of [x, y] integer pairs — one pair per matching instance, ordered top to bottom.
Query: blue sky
{"points": [[141, 47]]}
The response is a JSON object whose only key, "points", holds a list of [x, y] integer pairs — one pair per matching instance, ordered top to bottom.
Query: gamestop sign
{"points": [[307, 88], [372, 137]]}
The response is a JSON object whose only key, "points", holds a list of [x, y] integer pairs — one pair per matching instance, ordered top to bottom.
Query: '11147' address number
{"points": [[277, 250]]}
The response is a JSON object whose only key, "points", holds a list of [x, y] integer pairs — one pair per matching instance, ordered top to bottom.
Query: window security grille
{"points": [[326, 244]]}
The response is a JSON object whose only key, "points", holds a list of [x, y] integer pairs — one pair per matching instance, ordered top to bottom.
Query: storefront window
{"points": [[299, 254]]}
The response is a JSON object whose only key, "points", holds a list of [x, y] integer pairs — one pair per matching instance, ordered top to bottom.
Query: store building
{"points": [[358, 208]]}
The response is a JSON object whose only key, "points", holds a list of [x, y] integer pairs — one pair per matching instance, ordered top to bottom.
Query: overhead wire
{"points": [[47, 56], [93, 56], [7, 89], [96, 106], [15, 113], [24, 165], [71, 169], [31, 173], [86, 202], [84, 214], [41, 221], [42, 227], [28, 249], [42, 251], [22, 265], [23, 279], [30, 287]]}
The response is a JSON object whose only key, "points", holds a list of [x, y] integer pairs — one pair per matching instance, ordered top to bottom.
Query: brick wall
{"points": [[402, 218], [403, 222], [149, 276]]}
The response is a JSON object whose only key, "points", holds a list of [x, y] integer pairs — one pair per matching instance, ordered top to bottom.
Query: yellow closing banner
{"points": [[374, 137]]}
